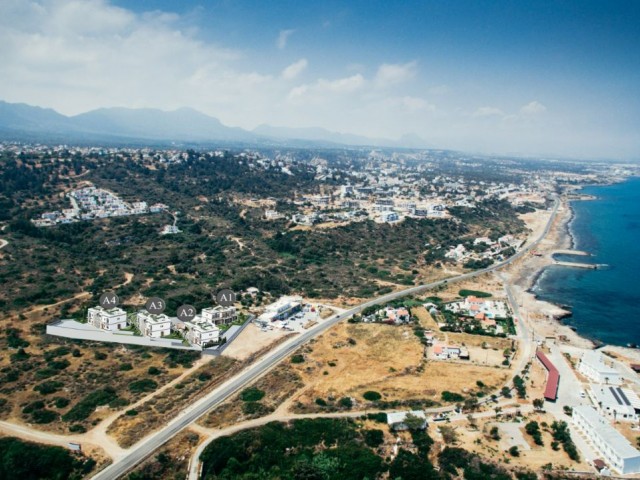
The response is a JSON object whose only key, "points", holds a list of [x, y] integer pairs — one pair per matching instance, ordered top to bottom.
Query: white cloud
{"points": [[283, 38], [295, 69], [391, 74], [323, 87], [417, 104], [533, 108], [488, 112]]}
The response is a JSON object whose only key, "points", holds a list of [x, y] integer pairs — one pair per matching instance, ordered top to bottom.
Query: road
{"points": [[190, 414]]}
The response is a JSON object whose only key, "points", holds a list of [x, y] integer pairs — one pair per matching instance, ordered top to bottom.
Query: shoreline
{"points": [[560, 236]]}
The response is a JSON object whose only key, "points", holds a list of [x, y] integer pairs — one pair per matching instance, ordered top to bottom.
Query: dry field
{"points": [[351, 359], [479, 441]]}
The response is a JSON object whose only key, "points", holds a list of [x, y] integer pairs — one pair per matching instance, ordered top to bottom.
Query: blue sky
{"points": [[549, 78]]}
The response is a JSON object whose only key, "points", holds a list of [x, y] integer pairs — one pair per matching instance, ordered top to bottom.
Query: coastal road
{"points": [[146, 446]]}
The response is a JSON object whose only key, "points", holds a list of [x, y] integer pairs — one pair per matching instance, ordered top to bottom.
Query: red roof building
{"points": [[553, 379]]}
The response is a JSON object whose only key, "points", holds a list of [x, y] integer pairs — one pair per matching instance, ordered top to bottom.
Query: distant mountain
{"points": [[19, 121]]}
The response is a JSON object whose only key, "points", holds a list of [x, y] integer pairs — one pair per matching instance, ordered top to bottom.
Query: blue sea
{"points": [[605, 303]]}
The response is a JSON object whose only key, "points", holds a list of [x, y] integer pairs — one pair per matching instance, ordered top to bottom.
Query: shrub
{"points": [[99, 355], [297, 358], [125, 367], [154, 371], [144, 385], [46, 388], [252, 394], [372, 396], [451, 397], [61, 402], [321, 402], [346, 402], [85, 407], [131, 413], [77, 428], [373, 438], [514, 452]]}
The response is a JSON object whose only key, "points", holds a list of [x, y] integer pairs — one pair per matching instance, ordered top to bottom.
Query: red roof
{"points": [[551, 390]]}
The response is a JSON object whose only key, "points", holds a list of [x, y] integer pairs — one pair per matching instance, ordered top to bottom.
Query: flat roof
{"points": [[620, 445]]}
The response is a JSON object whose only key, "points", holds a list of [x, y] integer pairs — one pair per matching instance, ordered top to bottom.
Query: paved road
{"points": [[147, 446]]}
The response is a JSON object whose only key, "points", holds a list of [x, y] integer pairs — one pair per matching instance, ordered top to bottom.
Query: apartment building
{"points": [[220, 315], [107, 319], [153, 325], [201, 332], [593, 367], [617, 452]]}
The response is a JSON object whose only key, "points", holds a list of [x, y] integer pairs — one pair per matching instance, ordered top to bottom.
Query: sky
{"points": [[552, 78]]}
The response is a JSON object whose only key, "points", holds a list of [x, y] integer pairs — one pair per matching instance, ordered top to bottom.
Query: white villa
{"points": [[219, 315], [107, 319], [153, 325], [201, 332], [593, 367], [395, 420], [615, 449]]}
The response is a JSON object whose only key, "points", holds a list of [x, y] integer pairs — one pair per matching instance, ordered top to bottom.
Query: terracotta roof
{"points": [[551, 390]]}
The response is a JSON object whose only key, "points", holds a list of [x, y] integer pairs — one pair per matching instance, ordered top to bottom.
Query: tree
{"points": [[538, 403], [413, 422], [514, 452]]}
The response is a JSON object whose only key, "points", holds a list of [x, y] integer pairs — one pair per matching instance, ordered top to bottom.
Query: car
{"points": [[582, 394]]}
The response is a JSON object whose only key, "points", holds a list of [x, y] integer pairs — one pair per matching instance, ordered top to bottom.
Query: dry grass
{"points": [[383, 358], [279, 384], [172, 459]]}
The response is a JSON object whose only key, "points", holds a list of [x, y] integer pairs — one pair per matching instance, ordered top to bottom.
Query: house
{"points": [[389, 217], [219, 315], [107, 319], [153, 325], [201, 332], [593, 367], [616, 403], [396, 420], [614, 448]]}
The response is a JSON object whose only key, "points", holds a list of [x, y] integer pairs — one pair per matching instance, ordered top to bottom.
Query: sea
{"points": [[605, 303]]}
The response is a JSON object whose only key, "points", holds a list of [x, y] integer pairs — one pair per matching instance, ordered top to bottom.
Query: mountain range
{"points": [[118, 126]]}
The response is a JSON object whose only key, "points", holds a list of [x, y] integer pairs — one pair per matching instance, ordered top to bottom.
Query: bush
{"points": [[473, 293], [99, 355], [297, 358], [125, 367], [154, 371], [204, 377], [142, 386], [46, 388], [252, 394], [372, 396], [450, 397], [61, 402], [321, 402], [346, 402], [85, 407], [131, 413], [77, 428], [373, 438], [514, 452]]}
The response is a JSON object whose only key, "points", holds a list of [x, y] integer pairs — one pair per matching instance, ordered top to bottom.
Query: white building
{"points": [[389, 217], [281, 309], [219, 315], [107, 319], [153, 325], [201, 332], [593, 367], [616, 403], [395, 420], [615, 449]]}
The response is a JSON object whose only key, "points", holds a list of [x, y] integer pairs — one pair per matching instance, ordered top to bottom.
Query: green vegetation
{"points": [[474, 293], [297, 358], [142, 386], [520, 386], [252, 394], [371, 396], [451, 397], [85, 407], [533, 429], [560, 432], [31, 461]]}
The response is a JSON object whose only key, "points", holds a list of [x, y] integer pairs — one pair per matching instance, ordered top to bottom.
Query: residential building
{"points": [[389, 217], [220, 315], [107, 319], [153, 325], [201, 332], [593, 367], [616, 403], [615, 449]]}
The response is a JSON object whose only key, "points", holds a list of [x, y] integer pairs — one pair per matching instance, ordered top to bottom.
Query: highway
{"points": [[147, 446]]}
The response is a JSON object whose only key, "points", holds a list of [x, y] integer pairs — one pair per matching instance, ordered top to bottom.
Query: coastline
{"points": [[544, 316]]}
